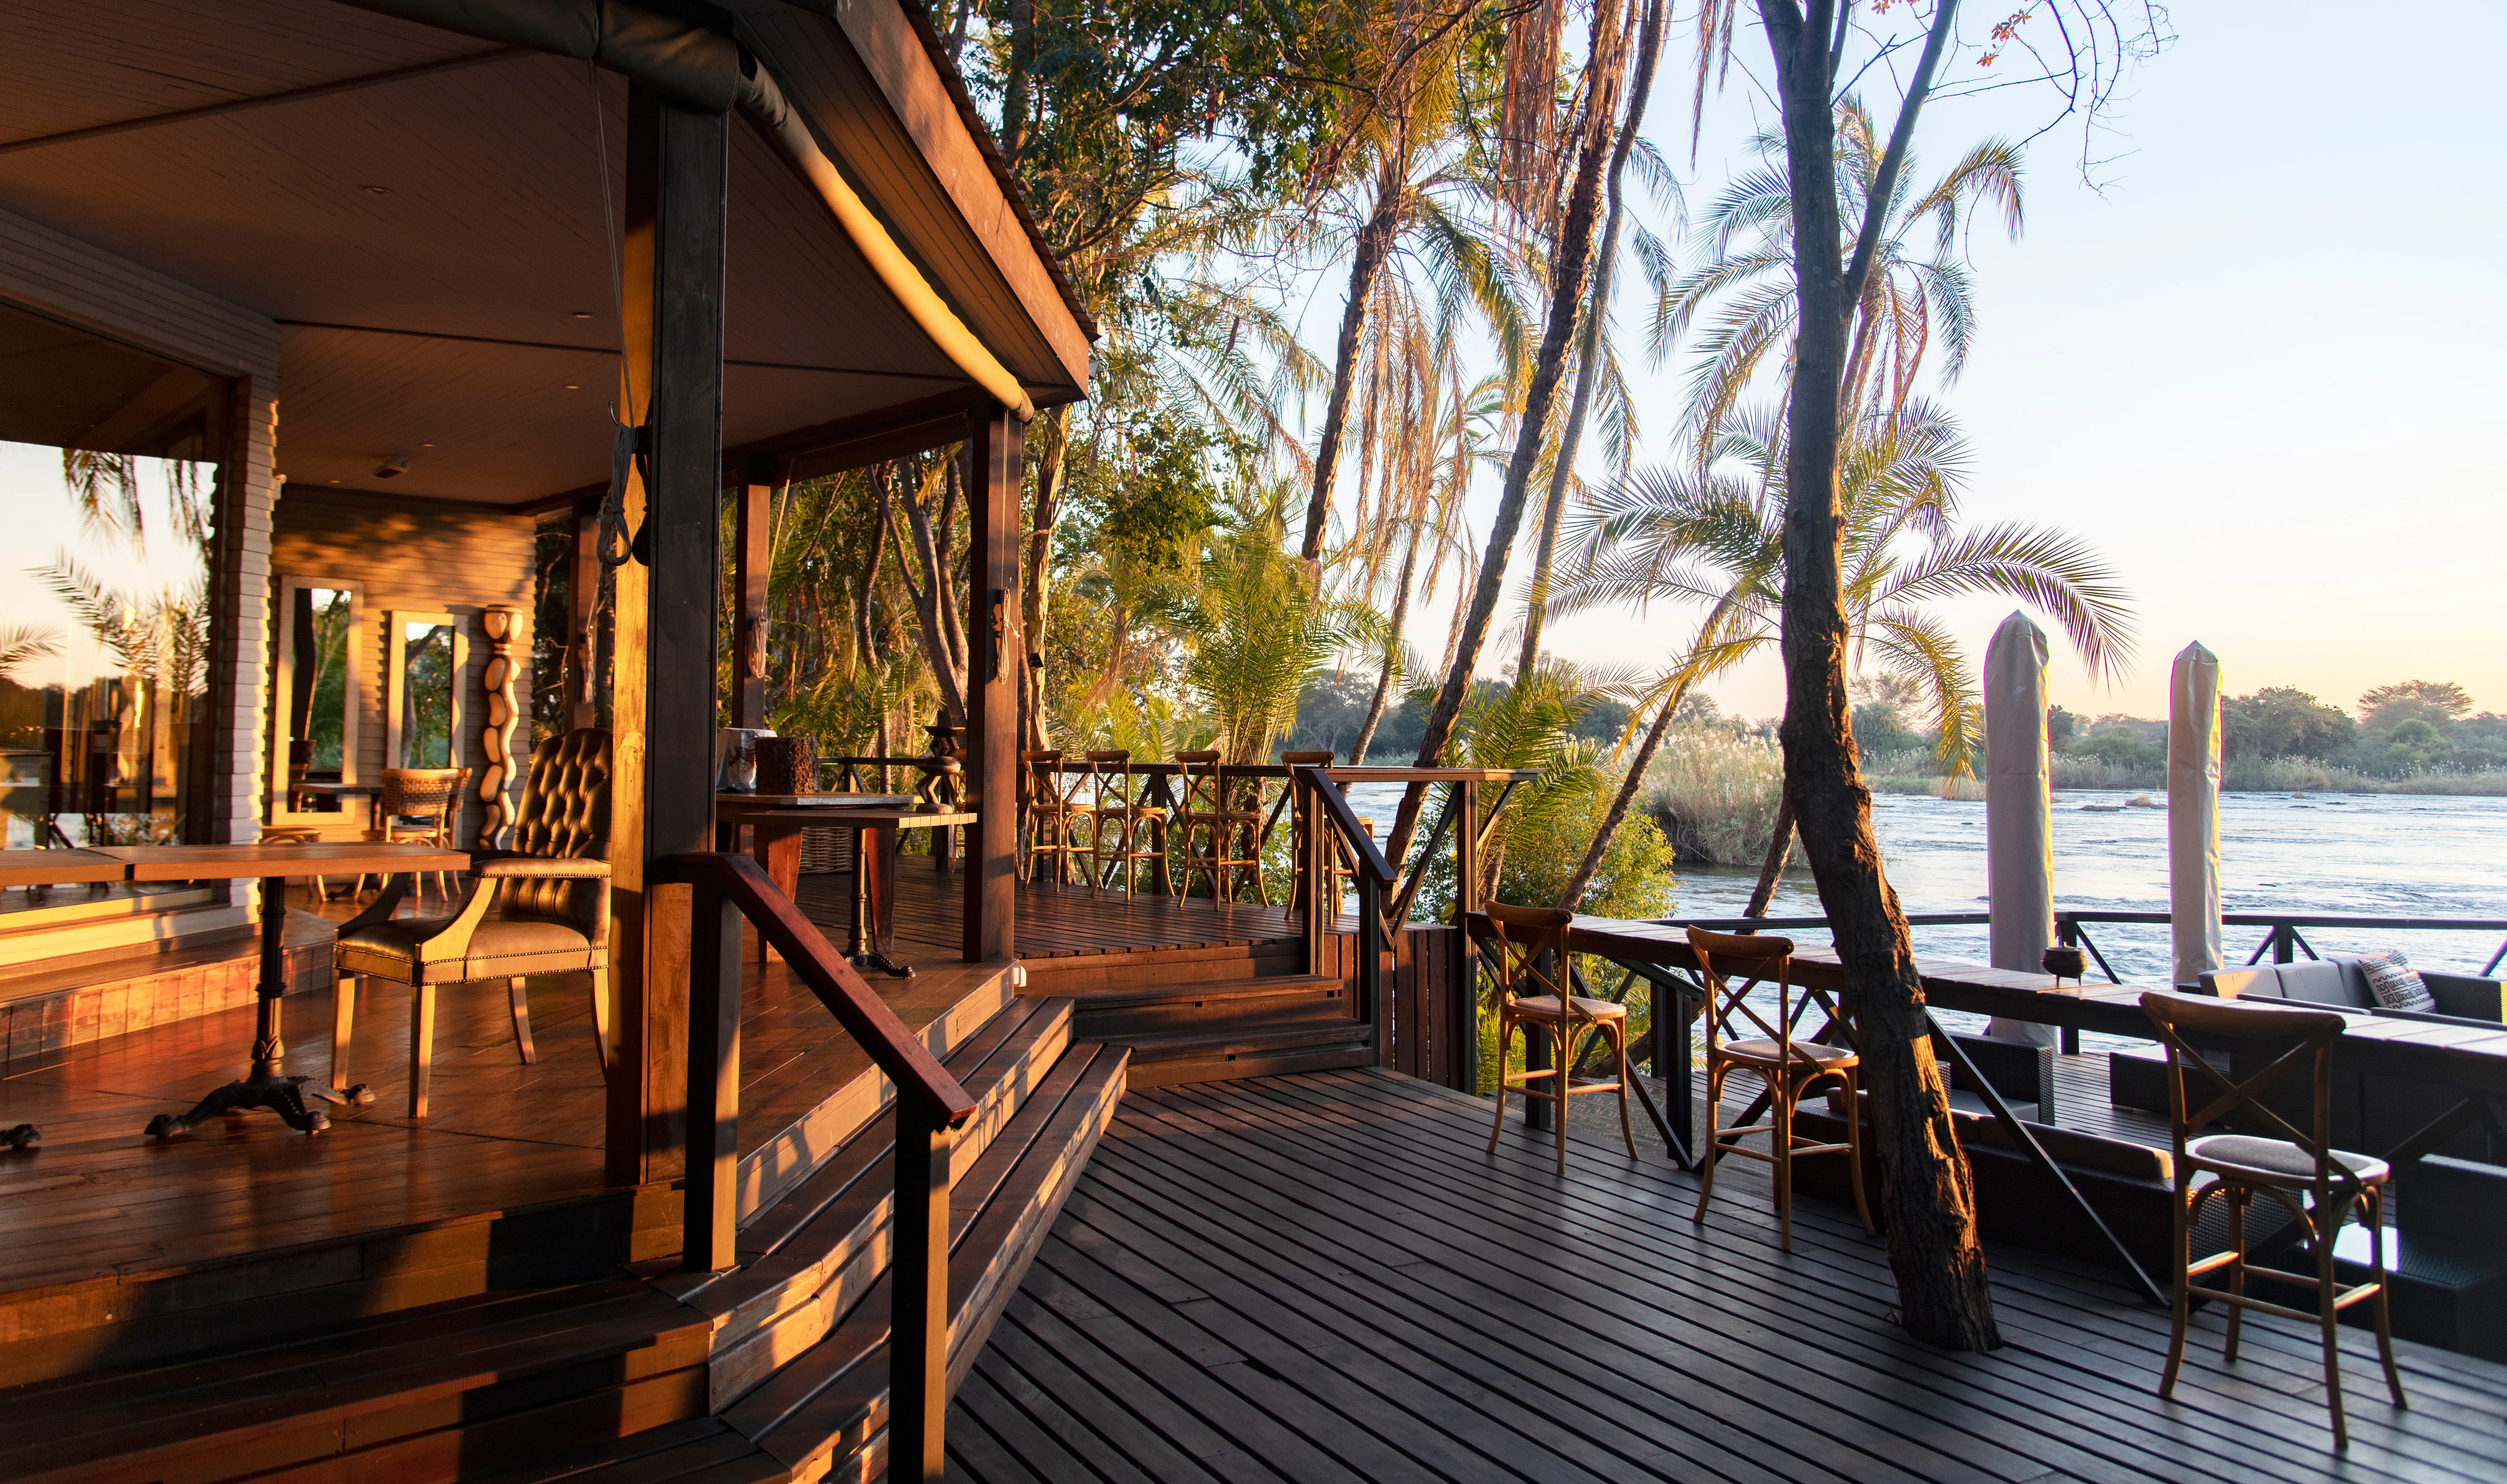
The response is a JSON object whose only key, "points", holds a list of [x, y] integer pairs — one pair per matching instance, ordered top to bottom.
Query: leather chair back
{"points": [[565, 816]]}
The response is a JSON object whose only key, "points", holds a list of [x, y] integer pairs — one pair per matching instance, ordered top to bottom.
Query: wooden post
{"points": [[751, 563], [583, 607], [663, 683], [992, 684], [707, 1243], [919, 1309]]}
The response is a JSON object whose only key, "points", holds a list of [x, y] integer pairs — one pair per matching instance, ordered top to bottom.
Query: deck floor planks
{"points": [[1327, 1175], [2137, 1352], [1638, 1366]]}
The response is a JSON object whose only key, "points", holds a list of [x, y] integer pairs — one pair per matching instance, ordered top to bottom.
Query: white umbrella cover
{"points": [[2194, 812], [2018, 826]]}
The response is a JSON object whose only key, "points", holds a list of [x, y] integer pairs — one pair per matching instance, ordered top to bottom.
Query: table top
{"points": [[1360, 773], [335, 786], [749, 803], [868, 818], [332, 857], [58, 868]]}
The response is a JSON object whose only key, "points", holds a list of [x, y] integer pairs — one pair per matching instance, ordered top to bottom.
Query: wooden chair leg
{"points": [[518, 996], [343, 1025], [1505, 1041], [421, 1045], [1561, 1078], [1780, 1106], [1854, 1152], [1706, 1166], [2376, 1214], [2236, 1273], [2326, 1291], [2180, 1298]]}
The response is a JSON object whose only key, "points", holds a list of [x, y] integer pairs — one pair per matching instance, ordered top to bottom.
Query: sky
{"points": [[2251, 370]]}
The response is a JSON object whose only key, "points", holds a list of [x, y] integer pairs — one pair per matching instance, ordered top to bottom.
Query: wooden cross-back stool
{"points": [[1055, 807], [1120, 819], [1216, 837], [1526, 951], [1789, 1066], [2319, 1185]]}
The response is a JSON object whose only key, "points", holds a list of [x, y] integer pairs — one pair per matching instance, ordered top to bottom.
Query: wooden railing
{"points": [[1333, 827], [930, 1104]]}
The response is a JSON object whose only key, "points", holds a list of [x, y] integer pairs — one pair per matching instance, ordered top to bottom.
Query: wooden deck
{"points": [[1325, 1278]]}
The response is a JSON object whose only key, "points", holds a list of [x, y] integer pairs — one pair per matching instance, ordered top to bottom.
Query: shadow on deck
{"points": [[1327, 1278]]}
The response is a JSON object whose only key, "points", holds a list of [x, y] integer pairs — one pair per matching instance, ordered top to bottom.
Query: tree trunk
{"points": [[1014, 87], [1374, 246], [1568, 280], [1588, 351], [882, 494], [1035, 597], [935, 602], [1780, 852], [1927, 1197]]}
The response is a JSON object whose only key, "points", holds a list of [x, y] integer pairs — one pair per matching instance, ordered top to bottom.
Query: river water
{"points": [[2364, 855]]}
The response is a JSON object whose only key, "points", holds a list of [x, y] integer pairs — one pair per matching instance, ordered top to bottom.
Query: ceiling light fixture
{"points": [[378, 190], [393, 467]]}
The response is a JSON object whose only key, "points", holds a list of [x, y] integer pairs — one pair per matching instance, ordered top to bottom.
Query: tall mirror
{"points": [[428, 652], [316, 697]]}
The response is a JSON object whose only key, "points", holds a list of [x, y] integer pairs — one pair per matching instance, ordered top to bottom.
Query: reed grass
{"points": [[1714, 794]]}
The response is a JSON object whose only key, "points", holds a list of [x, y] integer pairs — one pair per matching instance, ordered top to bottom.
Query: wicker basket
{"points": [[825, 849]]}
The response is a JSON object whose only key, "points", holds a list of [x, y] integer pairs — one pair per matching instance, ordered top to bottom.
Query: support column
{"points": [[751, 562], [993, 641], [663, 683]]}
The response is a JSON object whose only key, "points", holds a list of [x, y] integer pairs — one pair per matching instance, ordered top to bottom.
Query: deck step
{"points": [[1129, 1014], [1167, 1058], [809, 1259], [438, 1395], [825, 1413]]}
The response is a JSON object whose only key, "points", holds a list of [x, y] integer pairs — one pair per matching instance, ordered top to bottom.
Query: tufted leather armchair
{"points": [[541, 907]]}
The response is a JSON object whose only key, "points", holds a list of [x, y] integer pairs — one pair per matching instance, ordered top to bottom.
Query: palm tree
{"points": [[1910, 299], [1718, 539], [1265, 631]]}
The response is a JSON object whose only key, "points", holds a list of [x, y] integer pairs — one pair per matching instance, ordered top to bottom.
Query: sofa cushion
{"points": [[2392, 980], [2259, 982], [2322, 982]]}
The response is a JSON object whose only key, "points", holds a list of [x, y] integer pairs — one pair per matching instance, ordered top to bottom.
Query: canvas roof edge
{"points": [[861, 23]]}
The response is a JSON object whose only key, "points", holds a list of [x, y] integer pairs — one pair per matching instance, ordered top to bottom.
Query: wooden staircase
{"points": [[775, 1370]]}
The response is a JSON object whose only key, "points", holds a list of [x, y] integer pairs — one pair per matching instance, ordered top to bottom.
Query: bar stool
{"points": [[1051, 801], [1118, 817], [1217, 837], [1340, 863], [1519, 941], [1789, 1066], [2318, 1184]]}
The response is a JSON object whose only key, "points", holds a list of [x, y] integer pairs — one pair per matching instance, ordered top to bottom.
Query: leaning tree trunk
{"points": [[1374, 244], [1569, 270], [1588, 350], [1035, 596], [1392, 647], [1780, 854], [1581, 880], [1927, 1197]]}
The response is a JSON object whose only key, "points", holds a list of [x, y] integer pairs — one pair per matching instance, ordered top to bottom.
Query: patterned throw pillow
{"points": [[2396, 983]]}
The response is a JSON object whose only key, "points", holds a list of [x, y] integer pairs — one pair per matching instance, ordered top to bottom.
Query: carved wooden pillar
{"points": [[503, 626]]}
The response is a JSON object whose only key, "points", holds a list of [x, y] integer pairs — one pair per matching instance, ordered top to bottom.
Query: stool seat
{"points": [[1547, 1008], [1761, 1052], [2277, 1162]]}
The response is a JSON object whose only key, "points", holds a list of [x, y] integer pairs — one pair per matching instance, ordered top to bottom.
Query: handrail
{"points": [[1362, 844], [2099, 915], [865, 1017], [930, 1104]]}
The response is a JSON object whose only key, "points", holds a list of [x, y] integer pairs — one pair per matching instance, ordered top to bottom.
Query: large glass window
{"points": [[107, 462]]}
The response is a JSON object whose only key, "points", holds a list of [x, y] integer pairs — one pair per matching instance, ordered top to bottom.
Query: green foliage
{"points": [[1260, 635], [2389, 708], [2280, 721]]}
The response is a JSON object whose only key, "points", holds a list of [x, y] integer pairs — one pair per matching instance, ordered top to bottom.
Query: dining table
{"points": [[775, 822], [265, 1084]]}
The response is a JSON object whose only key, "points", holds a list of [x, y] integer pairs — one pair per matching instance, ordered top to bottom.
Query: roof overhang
{"points": [[423, 216]]}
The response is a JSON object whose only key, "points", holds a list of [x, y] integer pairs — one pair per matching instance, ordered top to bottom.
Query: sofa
{"points": [[2339, 982], [2370, 1113]]}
